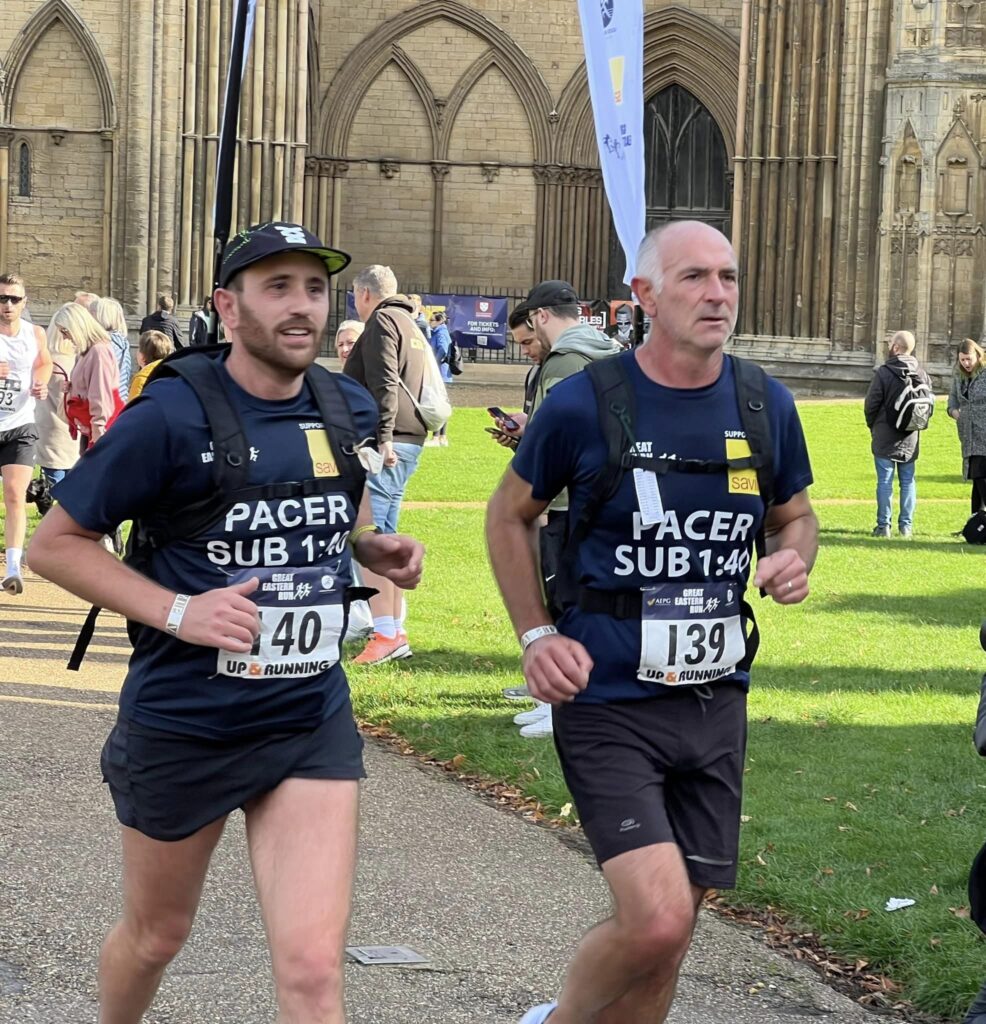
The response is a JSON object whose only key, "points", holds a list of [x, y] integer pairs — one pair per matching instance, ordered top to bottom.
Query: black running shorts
{"points": [[17, 446], [665, 770], [168, 786]]}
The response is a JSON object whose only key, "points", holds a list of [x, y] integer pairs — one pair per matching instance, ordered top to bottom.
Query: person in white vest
{"points": [[25, 369]]}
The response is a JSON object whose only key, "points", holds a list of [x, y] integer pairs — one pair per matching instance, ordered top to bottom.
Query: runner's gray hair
{"points": [[650, 258], [377, 280]]}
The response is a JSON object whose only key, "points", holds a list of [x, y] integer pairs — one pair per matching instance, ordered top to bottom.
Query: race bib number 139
{"points": [[301, 616], [692, 633]]}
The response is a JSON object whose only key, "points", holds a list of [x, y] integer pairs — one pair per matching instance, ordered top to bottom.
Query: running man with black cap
{"points": [[235, 697]]}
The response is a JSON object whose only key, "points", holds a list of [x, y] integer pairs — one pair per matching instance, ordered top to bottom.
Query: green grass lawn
{"points": [[862, 781]]}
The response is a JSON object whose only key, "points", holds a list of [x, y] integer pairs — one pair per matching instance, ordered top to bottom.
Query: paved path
{"points": [[494, 902]]}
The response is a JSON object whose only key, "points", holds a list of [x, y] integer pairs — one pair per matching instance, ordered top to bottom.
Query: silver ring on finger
{"points": [[790, 584]]}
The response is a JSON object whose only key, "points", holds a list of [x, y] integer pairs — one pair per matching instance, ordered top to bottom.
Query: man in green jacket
{"points": [[552, 312]]}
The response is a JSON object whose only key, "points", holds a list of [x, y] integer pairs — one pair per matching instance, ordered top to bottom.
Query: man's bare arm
{"points": [[43, 366], [511, 519], [791, 533], [67, 554], [556, 668]]}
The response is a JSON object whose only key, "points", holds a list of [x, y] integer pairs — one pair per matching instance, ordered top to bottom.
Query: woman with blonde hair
{"points": [[108, 313], [346, 334], [93, 401], [967, 406], [57, 450]]}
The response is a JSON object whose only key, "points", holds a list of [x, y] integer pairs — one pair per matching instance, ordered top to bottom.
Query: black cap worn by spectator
{"points": [[271, 239], [548, 294]]}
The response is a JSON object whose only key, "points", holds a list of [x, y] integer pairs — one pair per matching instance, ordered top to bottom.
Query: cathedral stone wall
{"points": [[454, 141]]}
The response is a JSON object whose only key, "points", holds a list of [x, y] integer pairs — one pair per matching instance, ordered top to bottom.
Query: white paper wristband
{"points": [[177, 613], [535, 634]]}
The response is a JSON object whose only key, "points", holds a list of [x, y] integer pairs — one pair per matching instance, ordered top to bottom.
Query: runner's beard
{"points": [[262, 342]]}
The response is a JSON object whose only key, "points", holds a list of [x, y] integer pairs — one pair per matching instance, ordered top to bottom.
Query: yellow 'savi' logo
{"points": [[323, 461], [741, 481]]}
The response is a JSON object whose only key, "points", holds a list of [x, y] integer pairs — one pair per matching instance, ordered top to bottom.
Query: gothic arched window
{"points": [[23, 170]]}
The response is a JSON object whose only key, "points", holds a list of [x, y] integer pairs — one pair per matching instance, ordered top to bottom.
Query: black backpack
{"points": [[454, 357], [201, 368], [912, 404], [617, 418], [974, 530]]}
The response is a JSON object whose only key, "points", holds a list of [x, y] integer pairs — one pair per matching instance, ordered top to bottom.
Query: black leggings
{"points": [[978, 494]]}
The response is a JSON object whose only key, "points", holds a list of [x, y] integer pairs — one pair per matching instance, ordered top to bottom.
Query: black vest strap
{"points": [[201, 368], [617, 415], [617, 419], [231, 453], [628, 604], [84, 639]]}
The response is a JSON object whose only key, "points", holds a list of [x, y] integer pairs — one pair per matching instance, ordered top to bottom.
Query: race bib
{"points": [[10, 388], [301, 616], [692, 633]]}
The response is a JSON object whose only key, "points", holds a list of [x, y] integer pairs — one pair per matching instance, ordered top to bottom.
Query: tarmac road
{"points": [[494, 902]]}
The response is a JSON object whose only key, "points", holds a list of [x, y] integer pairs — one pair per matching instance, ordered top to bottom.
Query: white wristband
{"points": [[177, 613], [535, 634]]}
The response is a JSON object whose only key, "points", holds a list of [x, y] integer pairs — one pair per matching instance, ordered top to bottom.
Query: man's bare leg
{"points": [[15, 481], [382, 604], [302, 839], [162, 884], [626, 968]]}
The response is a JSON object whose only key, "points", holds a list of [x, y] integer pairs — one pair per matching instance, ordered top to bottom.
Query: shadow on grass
{"points": [[864, 539], [965, 607], [440, 661], [823, 679]]}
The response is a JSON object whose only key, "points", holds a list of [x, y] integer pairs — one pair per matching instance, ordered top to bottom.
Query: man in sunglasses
{"points": [[25, 369]]}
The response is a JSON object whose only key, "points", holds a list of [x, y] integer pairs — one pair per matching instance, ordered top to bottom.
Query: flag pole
{"points": [[226, 163]]}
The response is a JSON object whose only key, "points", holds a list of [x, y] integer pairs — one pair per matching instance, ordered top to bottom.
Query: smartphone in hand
{"points": [[498, 414], [507, 440]]}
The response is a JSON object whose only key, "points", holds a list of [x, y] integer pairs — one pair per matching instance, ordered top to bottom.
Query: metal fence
{"points": [[511, 354]]}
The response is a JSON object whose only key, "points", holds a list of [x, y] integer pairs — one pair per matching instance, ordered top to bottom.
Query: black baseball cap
{"points": [[262, 240], [548, 294]]}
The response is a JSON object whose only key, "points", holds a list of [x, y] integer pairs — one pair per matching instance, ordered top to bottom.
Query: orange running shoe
{"points": [[382, 648]]}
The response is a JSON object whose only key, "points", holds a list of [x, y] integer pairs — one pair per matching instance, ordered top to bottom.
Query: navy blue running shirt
{"points": [[161, 447], [700, 548]]}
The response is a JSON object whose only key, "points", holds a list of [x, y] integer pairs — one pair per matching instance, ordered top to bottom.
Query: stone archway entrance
{"points": [[687, 172]]}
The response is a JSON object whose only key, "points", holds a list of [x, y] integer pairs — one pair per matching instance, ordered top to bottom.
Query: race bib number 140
{"points": [[301, 616], [692, 633]]}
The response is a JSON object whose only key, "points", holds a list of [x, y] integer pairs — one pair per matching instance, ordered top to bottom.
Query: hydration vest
{"points": [[201, 368], [616, 406]]}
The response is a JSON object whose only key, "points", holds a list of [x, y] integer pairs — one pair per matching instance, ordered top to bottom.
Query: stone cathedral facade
{"points": [[840, 143]]}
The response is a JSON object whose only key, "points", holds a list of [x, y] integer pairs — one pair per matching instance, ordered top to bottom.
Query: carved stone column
{"points": [[5, 140], [439, 171], [334, 172], [107, 263]]}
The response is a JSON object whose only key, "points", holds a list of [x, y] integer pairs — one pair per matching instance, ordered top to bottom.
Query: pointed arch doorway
{"points": [[687, 172]]}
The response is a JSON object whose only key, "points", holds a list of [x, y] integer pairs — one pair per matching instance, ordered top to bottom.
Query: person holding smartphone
{"points": [[551, 314]]}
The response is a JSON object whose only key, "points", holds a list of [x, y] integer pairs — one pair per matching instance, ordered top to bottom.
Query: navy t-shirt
{"points": [[160, 453], [693, 546]]}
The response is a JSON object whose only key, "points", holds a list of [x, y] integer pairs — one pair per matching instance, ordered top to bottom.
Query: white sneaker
{"points": [[432, 442], [13, 584], [532, 716], [539, 729], [539, 1014]]}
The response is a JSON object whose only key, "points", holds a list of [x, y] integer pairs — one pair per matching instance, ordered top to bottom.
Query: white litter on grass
{"points": [[898, 904]]}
